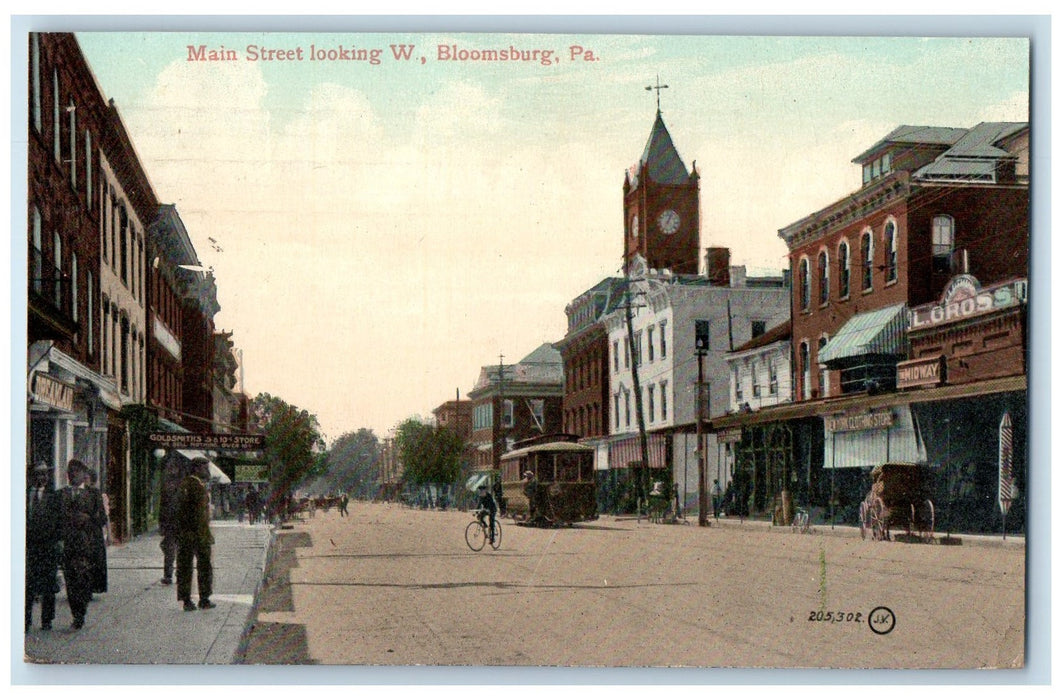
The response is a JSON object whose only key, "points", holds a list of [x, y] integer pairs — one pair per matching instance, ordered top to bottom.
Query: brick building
{"points": [[936, 204], [89, 205], [584, 351], [515, 402]]}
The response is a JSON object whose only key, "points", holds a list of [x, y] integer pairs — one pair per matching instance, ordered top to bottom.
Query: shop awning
{"points": [[878, 332], [898, 441], [623, 451], [215, 471]]}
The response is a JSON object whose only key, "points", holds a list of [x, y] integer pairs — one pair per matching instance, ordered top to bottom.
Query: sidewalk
{"points": [[939, 537], [139, 621]]}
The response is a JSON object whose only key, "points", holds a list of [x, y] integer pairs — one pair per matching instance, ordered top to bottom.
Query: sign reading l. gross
{"points": [[964, 298], [207, 441]]}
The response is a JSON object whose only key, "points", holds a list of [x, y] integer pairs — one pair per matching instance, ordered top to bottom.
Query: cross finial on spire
{"points": [[658, 88]]}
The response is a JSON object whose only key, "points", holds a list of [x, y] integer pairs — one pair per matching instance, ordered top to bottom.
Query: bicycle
{"points": [[801, 522], [476, 535]]}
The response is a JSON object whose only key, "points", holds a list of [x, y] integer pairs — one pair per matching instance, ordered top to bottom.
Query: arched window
{"points": [[35, 67], [71, 110], [56, 123], [123, 241], [943, 242], [57, 250], [37, 252], [866, 255], [891, 258], [844, 263], [824, 277], [805, 284], [73, 286], [89, 291], [124, 350], [805, 370], [824, 378]]}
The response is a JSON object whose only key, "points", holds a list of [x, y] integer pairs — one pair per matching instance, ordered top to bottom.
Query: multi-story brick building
{"points": [[935, 203], [89, 204], [584, 351], [515, 402]]}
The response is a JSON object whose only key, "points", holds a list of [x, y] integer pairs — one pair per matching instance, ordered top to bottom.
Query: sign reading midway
{"points": [[207, 441]]}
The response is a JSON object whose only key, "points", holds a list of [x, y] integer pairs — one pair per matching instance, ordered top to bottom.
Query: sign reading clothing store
{"points": [[54, 393], [869, 420]]}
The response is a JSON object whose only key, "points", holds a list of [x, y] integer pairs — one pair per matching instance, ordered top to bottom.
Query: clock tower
{"points": [[661, 207]]}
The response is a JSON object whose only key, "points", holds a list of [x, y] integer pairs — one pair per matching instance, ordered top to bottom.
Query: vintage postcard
{"points": [[590, 348]]}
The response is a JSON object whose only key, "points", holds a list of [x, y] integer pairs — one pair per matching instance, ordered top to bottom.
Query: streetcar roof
{"points": [[548, 447]]}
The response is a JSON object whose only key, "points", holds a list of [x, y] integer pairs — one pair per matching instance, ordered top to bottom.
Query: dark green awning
{"points": [[878, 332]]}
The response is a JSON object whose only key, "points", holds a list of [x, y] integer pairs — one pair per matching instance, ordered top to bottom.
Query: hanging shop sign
{"points": [[964, 298], [926, 371], [54, 393], [870, 420], [729, 436], [207, 441], [252, 473]]}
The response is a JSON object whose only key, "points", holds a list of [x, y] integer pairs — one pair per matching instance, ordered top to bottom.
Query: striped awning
{"points": [[878, 332], [625, 450]]}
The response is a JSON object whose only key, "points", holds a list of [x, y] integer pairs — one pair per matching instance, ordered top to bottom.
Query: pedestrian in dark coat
{"points": [[172, 474], [253, 505], [44, 513], [81, 522], [194, 538], [99, 542]]}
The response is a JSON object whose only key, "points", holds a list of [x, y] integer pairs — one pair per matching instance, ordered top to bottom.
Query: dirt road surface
{"points": [[393, 586]]}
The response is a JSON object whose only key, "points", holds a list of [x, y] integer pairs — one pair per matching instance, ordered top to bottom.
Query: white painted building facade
{"points": [[665, 309]]}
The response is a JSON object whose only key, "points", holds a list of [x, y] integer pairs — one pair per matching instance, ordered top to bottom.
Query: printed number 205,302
{"points": [[834, 616]]}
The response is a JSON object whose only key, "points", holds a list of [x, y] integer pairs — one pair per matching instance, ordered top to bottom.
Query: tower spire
{"points": [[658, 88]]}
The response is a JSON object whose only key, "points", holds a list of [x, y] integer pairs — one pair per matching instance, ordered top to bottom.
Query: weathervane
{"points": [[658, 88]]}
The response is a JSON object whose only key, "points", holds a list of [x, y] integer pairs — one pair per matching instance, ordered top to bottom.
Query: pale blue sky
{"points": [[389, 229]]}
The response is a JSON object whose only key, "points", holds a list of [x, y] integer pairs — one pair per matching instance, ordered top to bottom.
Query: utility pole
{"points": [[643, 439], [500, 442]]}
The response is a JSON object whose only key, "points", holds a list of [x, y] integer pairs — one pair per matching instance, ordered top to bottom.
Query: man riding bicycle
{"points": [[486, 505]]}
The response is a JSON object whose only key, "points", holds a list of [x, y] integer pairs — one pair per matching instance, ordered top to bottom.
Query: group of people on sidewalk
{"points": [[184, 523], [65, 527]]}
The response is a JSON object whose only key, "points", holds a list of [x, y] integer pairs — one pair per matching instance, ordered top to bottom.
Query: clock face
{"points": [[669, 221], [634, 225]]}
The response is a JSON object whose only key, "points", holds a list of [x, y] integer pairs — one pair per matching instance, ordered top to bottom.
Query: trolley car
{"points": [[549, 481]]}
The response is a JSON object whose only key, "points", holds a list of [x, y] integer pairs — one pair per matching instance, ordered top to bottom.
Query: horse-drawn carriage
{"points": [[899, 498]]}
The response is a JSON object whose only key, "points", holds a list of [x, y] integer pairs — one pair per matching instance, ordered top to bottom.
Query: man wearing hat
{"points": [[531, 491], [485, 501], [81, 522], [43, 534], [194, 538]]}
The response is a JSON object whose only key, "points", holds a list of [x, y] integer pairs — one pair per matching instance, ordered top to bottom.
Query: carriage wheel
{"points": [[864, 519], [877, 520]]}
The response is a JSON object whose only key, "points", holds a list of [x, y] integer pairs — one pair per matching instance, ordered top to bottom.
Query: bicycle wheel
{"points": [[497, 535], [475, 536]]}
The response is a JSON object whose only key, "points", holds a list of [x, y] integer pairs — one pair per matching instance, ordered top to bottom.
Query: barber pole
{"points": [[1006, 467]]}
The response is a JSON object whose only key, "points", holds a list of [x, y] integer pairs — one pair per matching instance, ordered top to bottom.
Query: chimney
{"points": [[717, 263]]}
